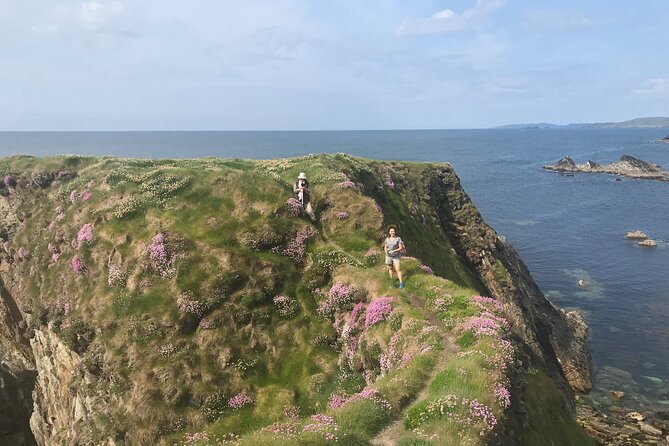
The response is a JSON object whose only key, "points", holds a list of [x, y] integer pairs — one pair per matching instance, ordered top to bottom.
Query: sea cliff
{"points": [[192, 302]]}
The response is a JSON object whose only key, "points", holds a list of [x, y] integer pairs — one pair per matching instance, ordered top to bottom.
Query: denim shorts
{"points": [[390, 260]]}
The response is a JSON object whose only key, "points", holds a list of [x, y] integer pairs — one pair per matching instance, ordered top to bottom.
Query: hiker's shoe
{"points": [[401, 284]]}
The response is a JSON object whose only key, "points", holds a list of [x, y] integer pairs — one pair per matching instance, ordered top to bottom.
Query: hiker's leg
{"points": [[310, 212], [389, 264], [398, 269]]}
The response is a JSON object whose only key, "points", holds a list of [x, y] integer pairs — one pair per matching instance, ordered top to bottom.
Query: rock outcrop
{"points": [[664, 140], [627, 166], [553, 337]]}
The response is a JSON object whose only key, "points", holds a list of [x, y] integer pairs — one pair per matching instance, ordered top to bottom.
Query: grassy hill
{"points": [[202, 307]]}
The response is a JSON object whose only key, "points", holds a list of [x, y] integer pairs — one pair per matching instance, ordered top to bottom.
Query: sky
{"points": [[329, 64]]}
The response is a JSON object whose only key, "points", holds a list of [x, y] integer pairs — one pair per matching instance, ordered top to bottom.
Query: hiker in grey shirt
{"points": [[393, 246]]}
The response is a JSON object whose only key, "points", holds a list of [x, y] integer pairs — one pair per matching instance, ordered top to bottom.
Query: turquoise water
{"points": [[565, 228]]}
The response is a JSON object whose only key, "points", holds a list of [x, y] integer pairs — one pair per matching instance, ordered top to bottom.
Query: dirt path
{"points": [[390, 435]]}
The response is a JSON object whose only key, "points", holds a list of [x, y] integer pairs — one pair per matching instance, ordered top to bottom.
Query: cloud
{"points": [[95, 16], [555, 19], [448, 21], [654, 86]]}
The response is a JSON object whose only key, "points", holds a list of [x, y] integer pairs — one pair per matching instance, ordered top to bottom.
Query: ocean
{"points": [[565, 228]]}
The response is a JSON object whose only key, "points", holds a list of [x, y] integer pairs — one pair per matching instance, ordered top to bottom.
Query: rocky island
{"points": [[664, 140], [627, 166], [192, 302]]}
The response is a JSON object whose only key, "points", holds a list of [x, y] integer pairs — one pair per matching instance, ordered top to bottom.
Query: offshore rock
{"points": [[664, 140], [628, 166], [636, 234], [648, 243]]}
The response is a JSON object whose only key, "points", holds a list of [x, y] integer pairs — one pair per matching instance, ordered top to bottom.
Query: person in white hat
{"points": [[301, 188]]}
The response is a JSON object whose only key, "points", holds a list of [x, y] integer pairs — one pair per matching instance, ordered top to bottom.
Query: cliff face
{"points": [[553, 337], [129, 340]]}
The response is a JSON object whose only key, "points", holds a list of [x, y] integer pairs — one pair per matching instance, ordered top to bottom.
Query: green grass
{"points": [[550, 418]]}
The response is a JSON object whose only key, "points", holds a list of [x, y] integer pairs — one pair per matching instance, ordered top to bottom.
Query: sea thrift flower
{"points": [[9, 181], [389, 181], [346, 184], [86, 195], [73, 197], [294, 206], [341, 215], [85, 235], [296, 249], [372, 252], [22, 253], [55, 256], [162, 261], [77, 267], [427, 269], [116, 275], [339, 297], [485, 302], [188, 305], [286, 306], [378, 310], [354, 314], [482, 326], [167, 350], [504, 396], [239, 401], [483, 413], [324, 425]]}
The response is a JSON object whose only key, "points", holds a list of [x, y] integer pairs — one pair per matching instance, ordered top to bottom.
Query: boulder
{"points": [[43, 179], [636, 234], [648, 243], [617, 394], [635, 416]]}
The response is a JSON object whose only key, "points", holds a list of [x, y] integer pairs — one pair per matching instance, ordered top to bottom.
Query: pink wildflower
{"points": [[85, 235], [77, 267], [378, 310]]}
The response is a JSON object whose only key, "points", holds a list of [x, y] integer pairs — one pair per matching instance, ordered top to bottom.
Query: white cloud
{"points": [[94, 15], [555, 19], [449, 21], [654, 86]]}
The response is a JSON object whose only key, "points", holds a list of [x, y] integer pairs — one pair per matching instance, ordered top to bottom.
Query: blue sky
{"points": [[339, 64]]}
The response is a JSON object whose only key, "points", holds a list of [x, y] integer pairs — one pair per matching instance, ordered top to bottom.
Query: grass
{"points": [[228, 225]]}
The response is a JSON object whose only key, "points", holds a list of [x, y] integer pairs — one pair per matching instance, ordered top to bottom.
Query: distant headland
{"points": [[656, 122]]}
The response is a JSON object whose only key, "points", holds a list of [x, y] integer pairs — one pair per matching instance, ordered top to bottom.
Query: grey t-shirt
{"points": [[393, 244]]}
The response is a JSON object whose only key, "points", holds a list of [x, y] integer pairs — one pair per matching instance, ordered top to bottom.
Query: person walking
{"points": [[301, 189], [393, 246]]}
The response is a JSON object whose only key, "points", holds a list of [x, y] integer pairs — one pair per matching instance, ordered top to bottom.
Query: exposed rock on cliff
{"points": [[556, 339]]}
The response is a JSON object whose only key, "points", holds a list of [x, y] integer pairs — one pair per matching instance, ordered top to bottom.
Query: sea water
{"points": [[565, 228]]}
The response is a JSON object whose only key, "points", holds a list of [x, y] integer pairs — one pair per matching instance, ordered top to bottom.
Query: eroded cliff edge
{"points": [[425, 200]]}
